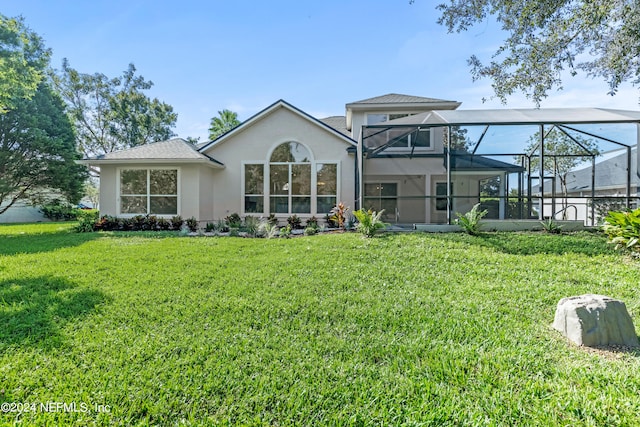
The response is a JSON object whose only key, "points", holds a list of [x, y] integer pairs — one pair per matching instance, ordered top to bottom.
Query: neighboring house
{"points": [[283, 161], [609, 178], [22, 211]]}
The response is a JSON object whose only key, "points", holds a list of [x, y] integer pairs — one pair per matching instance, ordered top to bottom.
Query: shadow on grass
{"points": [[45, 242], [533, 243], [32, 311]]}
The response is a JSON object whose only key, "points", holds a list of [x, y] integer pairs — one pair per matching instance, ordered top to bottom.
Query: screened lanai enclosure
{"points": [[523, 164]]}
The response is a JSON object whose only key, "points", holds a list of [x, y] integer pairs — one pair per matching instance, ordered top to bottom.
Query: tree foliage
{"points": [[548, 37], [23, 61], [112, 114], [223, 123], [459, 138], [37, 151], [561, 154]]}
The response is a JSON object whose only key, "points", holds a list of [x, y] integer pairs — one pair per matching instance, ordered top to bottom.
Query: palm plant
{"points": [[225, 121], [470, 221], [369, 222]]}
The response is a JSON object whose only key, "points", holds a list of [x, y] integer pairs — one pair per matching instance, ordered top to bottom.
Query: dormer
{"points": [[389, 107]]}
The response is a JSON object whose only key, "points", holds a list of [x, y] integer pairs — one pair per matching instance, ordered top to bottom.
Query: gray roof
{"points": [[396, 98], [520, 116], [338, 123], [176, 149], [465, 161], [610, 173]]}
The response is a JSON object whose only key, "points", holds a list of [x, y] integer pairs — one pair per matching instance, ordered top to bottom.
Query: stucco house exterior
{"points": [[283, 161]]}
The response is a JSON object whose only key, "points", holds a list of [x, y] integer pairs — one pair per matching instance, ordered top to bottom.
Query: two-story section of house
{"points": [[283, 161]]}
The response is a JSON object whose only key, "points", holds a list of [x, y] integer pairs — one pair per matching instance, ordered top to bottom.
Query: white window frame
{"points": [[409, 146], [267, 182], [265, 185], [148, 195], [289, 195]]}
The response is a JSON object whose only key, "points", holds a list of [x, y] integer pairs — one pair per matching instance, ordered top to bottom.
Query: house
{"points": [[388, 152], [604, 181]]}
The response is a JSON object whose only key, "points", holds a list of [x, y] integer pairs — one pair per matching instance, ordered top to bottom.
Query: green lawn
{"points": [[410, 329]]}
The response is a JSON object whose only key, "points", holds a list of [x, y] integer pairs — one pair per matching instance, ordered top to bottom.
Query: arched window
{"points": [[290, 179], [290, 182]]}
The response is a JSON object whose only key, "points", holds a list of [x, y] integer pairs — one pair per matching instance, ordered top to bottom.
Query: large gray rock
{"points": [[595, 321]]}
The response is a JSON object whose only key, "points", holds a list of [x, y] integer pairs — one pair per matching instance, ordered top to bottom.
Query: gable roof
{"points": [[397, 98], [271, 108], [173, 150]]}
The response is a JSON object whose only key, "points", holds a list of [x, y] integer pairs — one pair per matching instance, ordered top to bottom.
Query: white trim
{"points": [[242, 186], [148, 195]]}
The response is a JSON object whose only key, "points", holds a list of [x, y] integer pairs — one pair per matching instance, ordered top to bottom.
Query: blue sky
{"points": [[204, 56]]}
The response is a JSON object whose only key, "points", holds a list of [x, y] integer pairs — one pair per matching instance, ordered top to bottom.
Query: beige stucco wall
{"points": [[254, 144], [190, 181]]}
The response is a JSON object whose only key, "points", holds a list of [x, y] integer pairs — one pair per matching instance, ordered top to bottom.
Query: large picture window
{"points": [[294, 182], [149, 191]]}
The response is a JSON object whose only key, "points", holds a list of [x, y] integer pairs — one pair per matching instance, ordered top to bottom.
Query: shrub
{"points": [[59, 211], [339, 214], [234, 220], [273, 220], [87, 221], [330, 221], [470, 221], [176, 222], [312, 222], [369, 222], [108, 223], [151, 223], [295, 223], [164, 224], [192, 224], [251, 224], [222, 226], [550, 226], [210, 227], [267, 229], [623, 230], [285, 231], [310, 231]]}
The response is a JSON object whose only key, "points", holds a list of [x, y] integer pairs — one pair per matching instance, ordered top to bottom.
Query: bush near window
{"points": [[60, 211], [234, 220], [294, 222], [369, 222], [141, 223], [623, 230]]}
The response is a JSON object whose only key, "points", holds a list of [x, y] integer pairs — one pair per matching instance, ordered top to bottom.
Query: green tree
{"points": [[546, 38], [23, 62], [112, 114], [225, 121], [459, 139], [38, 151], [561, 155]]}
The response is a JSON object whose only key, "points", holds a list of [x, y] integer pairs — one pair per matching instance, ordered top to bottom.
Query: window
{"points": [[402, 137], [290, 179], [294, 183], [326, 186], [254, 188], [149, 191], [379, 196]]}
